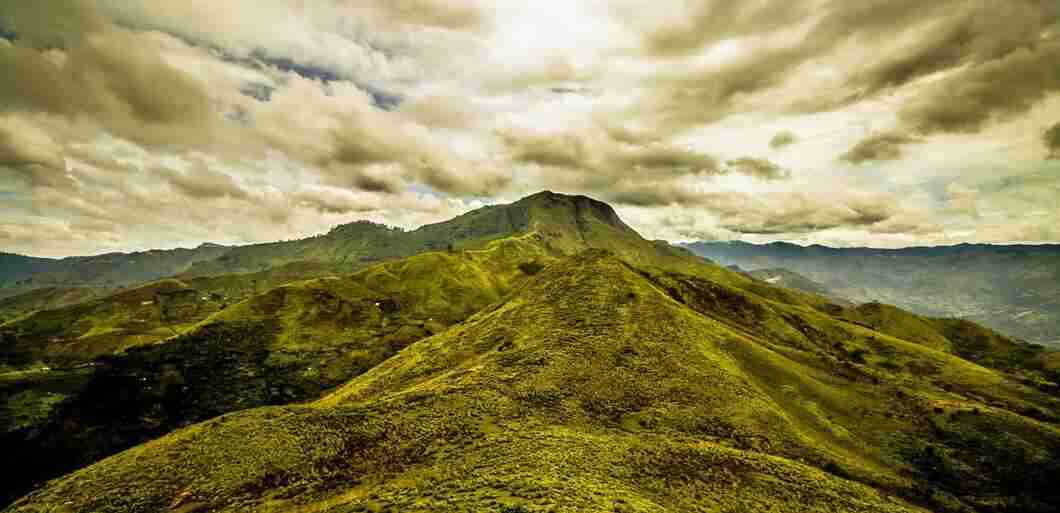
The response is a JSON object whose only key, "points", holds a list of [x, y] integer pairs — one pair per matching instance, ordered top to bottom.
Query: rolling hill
{"points": [[1013, 289], [275, 345], [551, 360], [599, 385]]}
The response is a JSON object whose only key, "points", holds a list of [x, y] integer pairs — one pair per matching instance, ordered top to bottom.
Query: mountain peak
{"points": [[574, 207]]}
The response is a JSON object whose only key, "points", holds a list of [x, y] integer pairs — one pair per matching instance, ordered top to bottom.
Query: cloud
{"points": [[712, 21], [970, 34], [737, 56], [68, 61], [1000, 89], [293, 116], [1051, 138], [783, 139], [879, 147], [598, 152], [31, 154], [758, 168], [203, 182], [332, 200], [790, 214]]}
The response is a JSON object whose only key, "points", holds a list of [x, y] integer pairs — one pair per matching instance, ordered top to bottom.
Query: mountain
{"points": [[565, 221], [569, 221], [545, 224], [16, 267], [20, 274], [792, 280], [1013, 289], [243, 340], [555, 360], [600, 385]]}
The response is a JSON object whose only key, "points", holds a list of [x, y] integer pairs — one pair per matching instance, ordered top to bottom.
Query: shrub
{"points": [[531, 268], [857, 356]]}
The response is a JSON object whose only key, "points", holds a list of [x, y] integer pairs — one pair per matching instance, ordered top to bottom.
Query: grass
{"points": [[596, 385]]}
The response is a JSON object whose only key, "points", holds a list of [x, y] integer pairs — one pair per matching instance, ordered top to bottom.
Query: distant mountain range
{"points": [[1012, 288], [536, 356]]}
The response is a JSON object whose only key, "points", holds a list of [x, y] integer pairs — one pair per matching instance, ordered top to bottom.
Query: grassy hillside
{"points": [[540, 226], [1013, 289], [45, 299], [307, 336], [962, 338], [519, 371], [597, 385]]}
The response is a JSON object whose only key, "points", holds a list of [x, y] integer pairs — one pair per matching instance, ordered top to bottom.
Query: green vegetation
{"points": [[567, 366]]}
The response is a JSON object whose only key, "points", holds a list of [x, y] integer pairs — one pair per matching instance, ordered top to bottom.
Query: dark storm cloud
{"points": [[783, 139], [1052, 141], [879, 147]]}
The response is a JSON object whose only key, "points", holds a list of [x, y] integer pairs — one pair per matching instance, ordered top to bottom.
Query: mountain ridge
{"points": [[1013, 289], [572, 339], [583, 390]]}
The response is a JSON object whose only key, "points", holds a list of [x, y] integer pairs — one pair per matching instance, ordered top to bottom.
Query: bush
{"points": [[531, 268], [857, 356]]}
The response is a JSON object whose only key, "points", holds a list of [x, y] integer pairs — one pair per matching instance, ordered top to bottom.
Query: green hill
{"points": [[45, 299], [296, 340], [558, 362], [600, 385]]}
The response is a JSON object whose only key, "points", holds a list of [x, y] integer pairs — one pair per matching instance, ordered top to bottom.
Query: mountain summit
{"points": [[536, 356]]}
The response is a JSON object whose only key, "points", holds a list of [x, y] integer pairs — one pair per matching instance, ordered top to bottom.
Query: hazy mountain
{"points": [[19, 274], [793, 280], [1014, 289], [557, 361]]}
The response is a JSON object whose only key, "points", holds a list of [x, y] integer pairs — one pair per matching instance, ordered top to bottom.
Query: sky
{"points": [[134, 124]]}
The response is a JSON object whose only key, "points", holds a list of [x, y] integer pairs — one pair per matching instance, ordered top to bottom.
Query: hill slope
{"points": [[1013, 289], [288, 343], [518, 344], [598, 385]]}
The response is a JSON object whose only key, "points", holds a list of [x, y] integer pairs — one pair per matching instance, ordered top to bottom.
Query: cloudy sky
{"points": [[132, 124]]}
